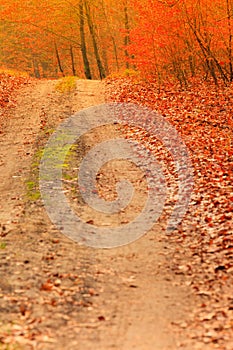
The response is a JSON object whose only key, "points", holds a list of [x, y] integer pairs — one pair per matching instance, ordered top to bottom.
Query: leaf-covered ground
{"points": [[9, 84], [202, 115], [204, 257]]}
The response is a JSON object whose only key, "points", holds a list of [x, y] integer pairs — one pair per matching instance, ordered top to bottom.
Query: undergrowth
{"points": [[66, 84]]}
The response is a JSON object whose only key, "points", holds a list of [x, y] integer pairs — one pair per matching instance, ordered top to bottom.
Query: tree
{"points": [[94, 40], [83, 42]]}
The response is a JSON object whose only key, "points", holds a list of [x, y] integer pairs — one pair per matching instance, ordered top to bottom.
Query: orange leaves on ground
{"points": [[8, 84], [202, 114]]}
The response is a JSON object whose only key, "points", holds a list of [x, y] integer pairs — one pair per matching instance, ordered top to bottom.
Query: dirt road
{"points": [[56, 294]]}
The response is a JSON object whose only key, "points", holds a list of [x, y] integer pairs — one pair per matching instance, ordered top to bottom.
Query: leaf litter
{"points": [[203, 116]]}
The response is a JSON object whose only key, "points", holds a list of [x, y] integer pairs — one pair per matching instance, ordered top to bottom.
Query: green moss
{"points": [[32, 183], [33, 192], [2, 245]]}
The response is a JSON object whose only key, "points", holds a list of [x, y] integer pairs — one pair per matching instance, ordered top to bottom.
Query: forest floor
{"points": [[58, 294]]}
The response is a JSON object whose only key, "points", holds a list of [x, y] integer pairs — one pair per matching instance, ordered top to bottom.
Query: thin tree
{"points": [[127, 38], [58, 59], [86, 63], [100, 66]]}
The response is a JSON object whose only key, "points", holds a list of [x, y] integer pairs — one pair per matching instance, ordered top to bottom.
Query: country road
{"points": [[57, 294]]}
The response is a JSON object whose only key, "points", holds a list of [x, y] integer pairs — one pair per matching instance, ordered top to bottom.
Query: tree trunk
{"points": [[112, 37], [127, 39], [230, 40], [58, 59], [105, 59], [72, 61], [86, 64], [36, 68], [101, 69]]}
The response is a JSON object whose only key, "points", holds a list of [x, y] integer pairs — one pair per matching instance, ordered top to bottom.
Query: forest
{"points": [[166, 39]]}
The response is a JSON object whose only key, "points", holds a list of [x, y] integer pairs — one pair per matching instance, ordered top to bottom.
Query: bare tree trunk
{"points": [[112, 37], [127, 39], [230, 39], [204, 44], [58, 59], [105, 59], [72, 61], [86, 64], [100, 66], [36, 68]]}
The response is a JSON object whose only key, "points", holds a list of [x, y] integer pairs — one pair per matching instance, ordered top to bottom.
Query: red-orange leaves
{"points": [[8, 84]]}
